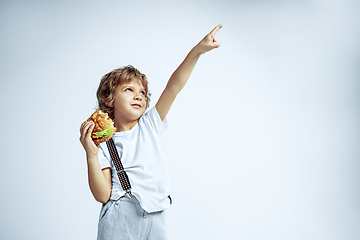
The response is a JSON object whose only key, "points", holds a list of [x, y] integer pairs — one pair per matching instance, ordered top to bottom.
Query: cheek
{"points": [[121, 100]]}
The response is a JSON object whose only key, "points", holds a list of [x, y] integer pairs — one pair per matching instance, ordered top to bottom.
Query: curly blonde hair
{"points": [[109, 82]]}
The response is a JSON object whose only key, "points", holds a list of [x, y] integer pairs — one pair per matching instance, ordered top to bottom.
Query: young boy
{"points": [[123, 94]]}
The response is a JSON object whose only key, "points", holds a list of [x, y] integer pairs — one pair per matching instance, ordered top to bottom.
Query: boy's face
{"points": [[129, 102]]}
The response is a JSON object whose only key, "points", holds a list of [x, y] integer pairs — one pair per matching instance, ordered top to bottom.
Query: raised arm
{"points": [[179, 78]]}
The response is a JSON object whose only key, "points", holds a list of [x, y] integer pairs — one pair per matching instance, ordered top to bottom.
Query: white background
{"points": [[263, 141]]}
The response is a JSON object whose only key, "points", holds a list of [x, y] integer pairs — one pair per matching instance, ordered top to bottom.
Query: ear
{"points": [[110, 103]]}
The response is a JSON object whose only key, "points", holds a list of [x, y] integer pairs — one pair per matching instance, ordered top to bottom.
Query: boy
{"points": [[123, 94]]}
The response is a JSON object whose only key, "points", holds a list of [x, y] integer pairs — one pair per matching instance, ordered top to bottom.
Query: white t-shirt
{"points": [[142, 157]]}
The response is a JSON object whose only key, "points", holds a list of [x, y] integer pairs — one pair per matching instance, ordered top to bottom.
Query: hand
{"points": [[209, 42], [90, 147]]}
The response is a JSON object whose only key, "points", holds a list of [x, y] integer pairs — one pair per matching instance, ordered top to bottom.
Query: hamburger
{"points": [[104, 127]]}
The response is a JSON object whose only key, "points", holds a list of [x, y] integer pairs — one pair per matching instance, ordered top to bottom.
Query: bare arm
{"points": [[181, 75], [99, 179]]}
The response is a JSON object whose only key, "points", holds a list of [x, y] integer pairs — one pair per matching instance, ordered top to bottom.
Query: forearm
{"points": [[181, 75], [99, 186]]}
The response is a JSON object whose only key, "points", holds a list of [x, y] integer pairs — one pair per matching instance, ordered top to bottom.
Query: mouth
{"points": [[136, 105]]}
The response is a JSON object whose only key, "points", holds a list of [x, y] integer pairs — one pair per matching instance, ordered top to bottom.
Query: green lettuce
{"points": [[104, 133]]}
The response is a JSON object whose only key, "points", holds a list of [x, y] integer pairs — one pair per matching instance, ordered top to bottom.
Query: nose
{"points": [[138, 96]]}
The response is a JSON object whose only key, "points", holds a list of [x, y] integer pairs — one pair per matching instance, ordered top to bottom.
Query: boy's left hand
{"points": [[209, 42]]}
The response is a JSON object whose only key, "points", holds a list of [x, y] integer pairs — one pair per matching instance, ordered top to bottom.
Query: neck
{"points": [[122, 127]]}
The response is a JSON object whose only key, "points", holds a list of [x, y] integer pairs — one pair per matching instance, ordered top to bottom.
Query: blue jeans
{"points": [[125, 219]]}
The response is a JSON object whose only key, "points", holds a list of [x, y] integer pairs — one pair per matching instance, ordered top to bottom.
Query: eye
{"points": [[128, 89], [142, 92]]}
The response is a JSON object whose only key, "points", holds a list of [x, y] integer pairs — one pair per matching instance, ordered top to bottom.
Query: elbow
{"points": [[173, 89], [102, 197], [103, 200]]}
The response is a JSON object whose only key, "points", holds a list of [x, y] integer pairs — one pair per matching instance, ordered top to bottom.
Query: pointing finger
{"points": [[213, 32]]}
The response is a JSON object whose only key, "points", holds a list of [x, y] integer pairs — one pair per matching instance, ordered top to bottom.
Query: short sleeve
{"points": [[153, 116], [103, 156]]}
